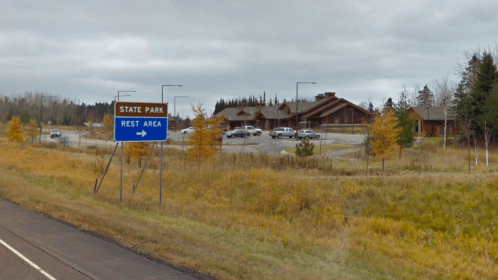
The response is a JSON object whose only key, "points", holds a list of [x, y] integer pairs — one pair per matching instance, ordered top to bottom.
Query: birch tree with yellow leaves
{"points": [[385, 134], [204, 142]]}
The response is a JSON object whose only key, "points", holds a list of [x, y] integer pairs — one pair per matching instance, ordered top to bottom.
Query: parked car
{"points": [[189, 130], [253, 130], [282, 132], [55, 133], [238, 133], [310, 134]]}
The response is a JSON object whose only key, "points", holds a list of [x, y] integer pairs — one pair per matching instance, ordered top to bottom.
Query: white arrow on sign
{"points": [[143, 133]]}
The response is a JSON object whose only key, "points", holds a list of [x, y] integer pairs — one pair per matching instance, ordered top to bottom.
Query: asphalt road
{"points": [[33, 246]]}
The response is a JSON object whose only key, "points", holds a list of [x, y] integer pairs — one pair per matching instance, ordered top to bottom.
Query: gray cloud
{"points": [[88, 50]]}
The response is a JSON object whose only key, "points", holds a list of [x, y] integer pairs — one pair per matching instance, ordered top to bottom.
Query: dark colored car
{"points": [[55, 133], [238, 133]]}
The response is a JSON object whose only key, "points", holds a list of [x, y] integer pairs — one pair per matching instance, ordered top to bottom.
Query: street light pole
{"points": [[162, 90], [125, 91], [121, 96], [297, 98], [174, 103], [161, 169]]}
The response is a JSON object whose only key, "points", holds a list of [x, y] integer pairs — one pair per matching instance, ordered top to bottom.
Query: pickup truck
{"points": [[254, 131], [282, 132]]}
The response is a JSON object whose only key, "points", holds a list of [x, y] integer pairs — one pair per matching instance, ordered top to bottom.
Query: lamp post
{"points": [[162, 90], [125, 91], [121, 96], [174, 101], [297, 103], [161, 169]]}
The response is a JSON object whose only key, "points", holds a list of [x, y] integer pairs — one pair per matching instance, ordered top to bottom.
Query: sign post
{"points": [[140, 122]]}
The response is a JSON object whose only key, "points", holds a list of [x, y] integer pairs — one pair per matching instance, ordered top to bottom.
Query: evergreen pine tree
{"points": [[487, 77], [425, 97], [371, 108], [305, 148]]}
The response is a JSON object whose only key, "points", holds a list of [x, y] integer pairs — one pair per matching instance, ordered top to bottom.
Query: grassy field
{"points": [[269, 217]]}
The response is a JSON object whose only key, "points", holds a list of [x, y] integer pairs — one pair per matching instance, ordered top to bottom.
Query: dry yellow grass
{"points": [[265, 217]]}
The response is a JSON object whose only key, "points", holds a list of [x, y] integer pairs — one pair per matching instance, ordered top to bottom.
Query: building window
{"points": [[337, 121]]}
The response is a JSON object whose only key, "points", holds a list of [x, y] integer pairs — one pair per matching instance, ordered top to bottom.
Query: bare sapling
{"points": [[487, 135], [476, 146]]}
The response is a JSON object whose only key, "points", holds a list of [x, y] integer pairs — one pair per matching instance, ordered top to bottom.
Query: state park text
{"points": [[137, 109]]}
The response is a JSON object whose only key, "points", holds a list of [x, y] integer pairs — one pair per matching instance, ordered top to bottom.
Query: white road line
{"points": [[27, 260]]}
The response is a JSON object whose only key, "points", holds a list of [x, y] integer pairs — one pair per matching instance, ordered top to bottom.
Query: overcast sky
{"points": [[362, 50]]}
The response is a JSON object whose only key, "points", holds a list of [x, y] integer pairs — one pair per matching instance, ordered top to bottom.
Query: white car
{"points": [[189, 130]]}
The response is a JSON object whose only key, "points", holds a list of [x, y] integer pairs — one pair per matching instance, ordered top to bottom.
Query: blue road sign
{"points": [[139, 129]]}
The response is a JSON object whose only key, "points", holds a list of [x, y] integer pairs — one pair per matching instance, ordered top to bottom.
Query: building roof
{"points": [[302, 106], [333, 110], [278, 111], [270, 112], [312, 112], [433, 113], [236, 114]]}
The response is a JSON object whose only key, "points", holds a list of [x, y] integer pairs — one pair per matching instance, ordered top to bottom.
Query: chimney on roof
{"points": [[330, 94], [319, 97], [260, 105], [241, 106]]}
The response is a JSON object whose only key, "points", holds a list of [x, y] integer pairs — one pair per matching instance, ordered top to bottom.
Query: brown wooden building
{"points": [[326, 110], [430, 121]]}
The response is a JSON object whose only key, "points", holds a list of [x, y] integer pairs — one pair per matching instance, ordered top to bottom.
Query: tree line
{"points": [[250, 101], [45, 107]]}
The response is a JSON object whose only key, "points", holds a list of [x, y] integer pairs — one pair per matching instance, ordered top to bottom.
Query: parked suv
{"points": [[308, 134]]}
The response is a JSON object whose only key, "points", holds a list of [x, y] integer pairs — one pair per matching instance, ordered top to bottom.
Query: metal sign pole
{"points": [[141, 122], [161, 177], [121, 186]]}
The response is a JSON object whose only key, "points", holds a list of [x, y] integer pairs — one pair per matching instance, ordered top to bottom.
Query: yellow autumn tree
{"points": [[108, 123], [108, 126], [32, 130], [14, 131], [385, 134], [203, 143], [138, 150]]}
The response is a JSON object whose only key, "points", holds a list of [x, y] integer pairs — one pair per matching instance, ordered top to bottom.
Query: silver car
{"points": [[310, 134]]}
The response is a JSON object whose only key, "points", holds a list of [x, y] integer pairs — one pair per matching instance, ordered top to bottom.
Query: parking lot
{"points": [[252, 144], [266, 144]]}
